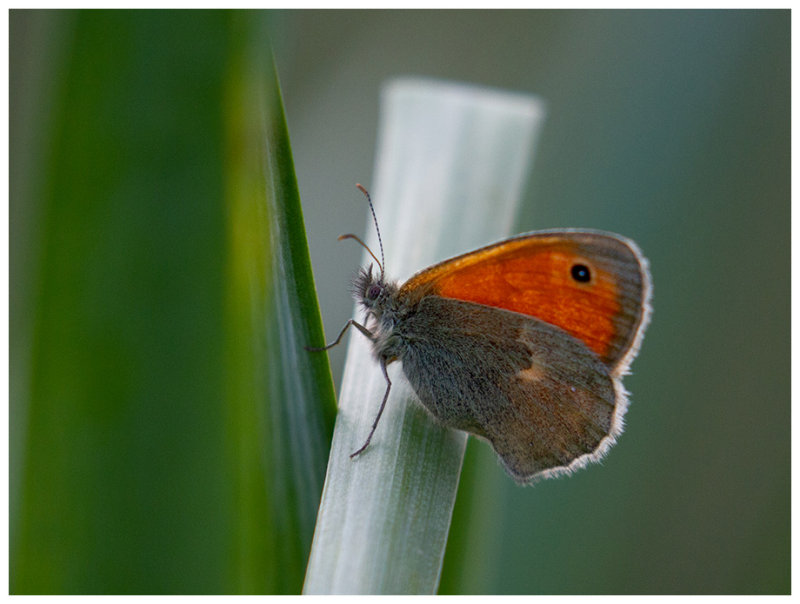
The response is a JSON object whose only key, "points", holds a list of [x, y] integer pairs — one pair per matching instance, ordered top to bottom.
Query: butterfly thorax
{"points": [[385, 311]]}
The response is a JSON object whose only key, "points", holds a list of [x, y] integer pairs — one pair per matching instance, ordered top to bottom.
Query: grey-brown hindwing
{"points": [[537, 394]]}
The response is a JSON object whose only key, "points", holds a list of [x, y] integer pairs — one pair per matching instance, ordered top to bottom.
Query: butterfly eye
{"points": [[580, 272], [374, 291]]}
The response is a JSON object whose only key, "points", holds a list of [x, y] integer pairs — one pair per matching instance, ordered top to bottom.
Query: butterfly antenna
{"points": [[377, 229], [364, 245]]}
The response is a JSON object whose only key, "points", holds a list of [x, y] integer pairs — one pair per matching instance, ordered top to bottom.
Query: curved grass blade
{"points": [[451, 165], [281, 396]]}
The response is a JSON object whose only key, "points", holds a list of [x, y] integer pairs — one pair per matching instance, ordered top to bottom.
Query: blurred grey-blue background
{"points": [[669, 127]]}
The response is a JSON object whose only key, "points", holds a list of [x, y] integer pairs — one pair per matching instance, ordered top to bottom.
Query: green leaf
{"points": [[451, 165], [281, 395], [168, 431]]}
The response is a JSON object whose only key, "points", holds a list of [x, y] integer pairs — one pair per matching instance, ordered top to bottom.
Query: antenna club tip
{"points": [[361, 188]]}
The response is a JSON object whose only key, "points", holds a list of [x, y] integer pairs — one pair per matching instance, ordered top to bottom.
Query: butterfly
{"points": [[522, 343]]}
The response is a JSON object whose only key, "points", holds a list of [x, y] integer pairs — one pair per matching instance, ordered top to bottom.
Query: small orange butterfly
{"points": [[522, 343]]}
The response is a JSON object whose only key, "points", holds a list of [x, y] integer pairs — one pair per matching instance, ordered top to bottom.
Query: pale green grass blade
{"points": [[451, 165]]}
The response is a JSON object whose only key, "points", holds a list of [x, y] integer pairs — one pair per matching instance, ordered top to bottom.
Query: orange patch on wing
{"points": [[533, 276], [534, 373]]}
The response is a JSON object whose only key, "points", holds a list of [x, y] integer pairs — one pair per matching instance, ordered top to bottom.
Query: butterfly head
{"points": [[373, 292]]}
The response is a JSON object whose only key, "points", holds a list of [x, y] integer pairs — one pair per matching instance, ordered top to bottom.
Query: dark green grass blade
{"points": [[281, 395], [136, 465]]}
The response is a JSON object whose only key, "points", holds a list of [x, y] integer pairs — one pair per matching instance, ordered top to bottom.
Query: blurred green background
{"points": [[670, 127]]}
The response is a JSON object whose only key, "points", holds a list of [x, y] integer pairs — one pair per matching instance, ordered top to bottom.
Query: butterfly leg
{"points": [[350, 322], [380, 411]]}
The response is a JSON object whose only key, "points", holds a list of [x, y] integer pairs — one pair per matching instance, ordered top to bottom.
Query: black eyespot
{"points": [[580, 272]]}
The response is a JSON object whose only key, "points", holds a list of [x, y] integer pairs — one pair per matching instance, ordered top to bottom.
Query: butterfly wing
{"points": [[593, 285], [544, 400]]}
